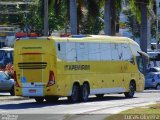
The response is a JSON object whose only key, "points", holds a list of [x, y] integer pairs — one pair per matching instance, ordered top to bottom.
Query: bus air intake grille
{"points": [[32, 65]]}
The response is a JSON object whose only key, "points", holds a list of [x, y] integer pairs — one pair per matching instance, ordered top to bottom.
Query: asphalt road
{"points": [[27, 109]]}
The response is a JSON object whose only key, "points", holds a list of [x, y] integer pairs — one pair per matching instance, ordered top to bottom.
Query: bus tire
{"points": [[132, 90], [85, 92], [75, 95], [99, 96], [39, 99], [51, 99]]}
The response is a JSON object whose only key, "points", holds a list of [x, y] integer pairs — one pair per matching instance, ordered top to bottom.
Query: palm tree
{"points": [[139, 7], [76, 8], [49, 11], [111, 13], [144, 26]]}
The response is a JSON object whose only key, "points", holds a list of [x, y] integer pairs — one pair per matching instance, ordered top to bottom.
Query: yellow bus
{"points": [[76, 67]]}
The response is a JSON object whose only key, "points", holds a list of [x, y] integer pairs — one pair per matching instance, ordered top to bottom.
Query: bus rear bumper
{"points": [[29, 92]]}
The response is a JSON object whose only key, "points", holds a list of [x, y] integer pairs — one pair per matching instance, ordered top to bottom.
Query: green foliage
{"points": [[135, 6], [135, 9], [89, 14], [90, 17], [34, 20], [31, 21], [55, 22], [122, 25], [134, 25], [91, 26]]}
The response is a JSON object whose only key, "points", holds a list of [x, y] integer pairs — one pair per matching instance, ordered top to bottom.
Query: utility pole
{"points": [[26, 15], [158, 15], [45, 17], [73, 17], [107, 17]]}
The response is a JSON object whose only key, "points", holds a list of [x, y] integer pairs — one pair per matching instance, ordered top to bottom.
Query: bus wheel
{"points": [[158, 87], [132, 90], [85, 92], [75, 95], [99, 96], [39, 99], [51, 99]]}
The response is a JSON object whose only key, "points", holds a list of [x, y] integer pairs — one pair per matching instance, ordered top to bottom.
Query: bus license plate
{"points": [[32, 91]]}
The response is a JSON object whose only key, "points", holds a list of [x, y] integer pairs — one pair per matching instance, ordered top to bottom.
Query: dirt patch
{"points": [[155, 106]]}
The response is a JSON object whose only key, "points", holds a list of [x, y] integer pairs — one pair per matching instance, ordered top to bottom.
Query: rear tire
{"points": [[132, 90], [12, 92], [85, 92], [75, 95], [99, 96], [39, 99], [51, 99]]}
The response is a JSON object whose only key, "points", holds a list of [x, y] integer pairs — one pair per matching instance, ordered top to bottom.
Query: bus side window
{"points": [[105, 52], [127, 54], [140, 63]]}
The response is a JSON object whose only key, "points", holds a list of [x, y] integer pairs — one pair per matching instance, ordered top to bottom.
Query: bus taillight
{"points": [[15, 79], [51, 79]]}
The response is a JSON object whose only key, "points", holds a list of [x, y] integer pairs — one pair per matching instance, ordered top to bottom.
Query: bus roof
{"points": [[84, 38], [94, 38]]}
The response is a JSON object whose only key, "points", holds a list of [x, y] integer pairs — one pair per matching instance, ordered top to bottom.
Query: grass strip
{"points": [[151, 112]]}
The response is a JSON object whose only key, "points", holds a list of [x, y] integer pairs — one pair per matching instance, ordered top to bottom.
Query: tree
{"points": [[140, 8], [111, 14], [89, 17], [36, 20], [132, 24], [143, 38]]}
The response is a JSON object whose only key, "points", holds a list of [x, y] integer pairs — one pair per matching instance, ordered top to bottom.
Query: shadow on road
{"points": [[28, 105]]}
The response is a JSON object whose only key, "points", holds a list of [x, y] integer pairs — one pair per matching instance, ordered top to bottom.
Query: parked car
{"points": [[153, 70], [152, 80], [6, 84]]}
